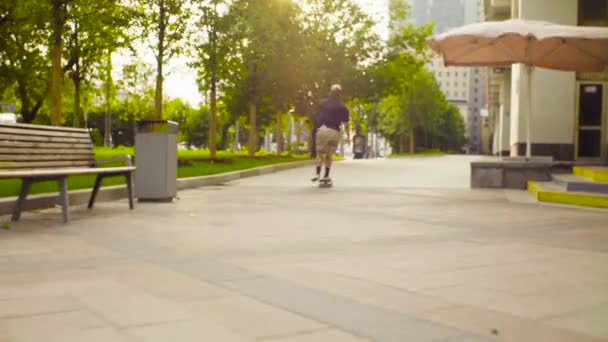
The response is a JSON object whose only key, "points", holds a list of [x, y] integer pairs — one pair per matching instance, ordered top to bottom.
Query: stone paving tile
{"points": [[384, 255], [174, 286], [361, 290], [36, 305], [125, 306], [533, 307], [355, 317], [250, 318], [593, 321], [56, 327], [504, 327], [196, 330], [324, 335], [469, 338]]}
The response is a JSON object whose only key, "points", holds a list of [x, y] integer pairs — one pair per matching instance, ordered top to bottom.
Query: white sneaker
{"points": [[315, 178], [326, 179]]}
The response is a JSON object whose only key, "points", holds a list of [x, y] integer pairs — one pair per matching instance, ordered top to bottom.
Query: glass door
{"points": [[590, 123]]}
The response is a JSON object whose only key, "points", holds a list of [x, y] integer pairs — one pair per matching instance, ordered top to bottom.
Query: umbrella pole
{"points": [[529, 72], [500, 131]]}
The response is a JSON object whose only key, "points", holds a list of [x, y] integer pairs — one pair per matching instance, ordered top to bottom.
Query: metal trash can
{"points": [[156, 160]]}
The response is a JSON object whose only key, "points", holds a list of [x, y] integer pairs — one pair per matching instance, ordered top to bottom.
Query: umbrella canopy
{"points": [[533, 43]]}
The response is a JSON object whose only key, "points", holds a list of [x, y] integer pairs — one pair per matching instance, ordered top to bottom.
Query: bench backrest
{"points": [[24, 146]]}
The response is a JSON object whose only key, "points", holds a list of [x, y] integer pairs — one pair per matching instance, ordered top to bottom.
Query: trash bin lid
{"points": [[157, 126]]}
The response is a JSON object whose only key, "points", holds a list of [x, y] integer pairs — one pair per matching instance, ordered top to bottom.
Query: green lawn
{"points": [[419, 153], [192, 163]]}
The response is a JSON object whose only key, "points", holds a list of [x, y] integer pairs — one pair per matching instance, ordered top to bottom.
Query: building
{"points": [[464, 87], [570, 120]]}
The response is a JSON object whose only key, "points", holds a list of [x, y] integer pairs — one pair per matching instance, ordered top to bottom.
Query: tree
{"points": [[59, 13], [165, 28], [93, 31], [216, 57], [23, 66], [137, 88], [412, 97]]}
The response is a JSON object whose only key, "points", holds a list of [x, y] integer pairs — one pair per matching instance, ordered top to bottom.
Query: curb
{"points": [[595, 175], [117, 192], [578, 199]]}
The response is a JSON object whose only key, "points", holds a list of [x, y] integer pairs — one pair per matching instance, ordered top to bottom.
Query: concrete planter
{"points": [[509, 174]]}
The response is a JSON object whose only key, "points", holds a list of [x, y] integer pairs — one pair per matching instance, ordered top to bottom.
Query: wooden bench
{"points": [[36, 153]]}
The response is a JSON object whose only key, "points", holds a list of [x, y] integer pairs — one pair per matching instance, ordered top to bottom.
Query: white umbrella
{"points": [[532, 43]]}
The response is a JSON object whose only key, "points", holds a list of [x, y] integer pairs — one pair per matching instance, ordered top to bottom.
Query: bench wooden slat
{"points": [[44, 128], [44, 133], [34, 138], [45, 145], [48, 151], [44, 157], [43, 164], [5, 174]]}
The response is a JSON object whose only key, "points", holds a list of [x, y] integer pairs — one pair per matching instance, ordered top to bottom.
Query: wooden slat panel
{"points": [[47, 128], [44, 133], [33, 138], [43, 146], [36, 151], [43, 157], [43, 164], [67, 171]]}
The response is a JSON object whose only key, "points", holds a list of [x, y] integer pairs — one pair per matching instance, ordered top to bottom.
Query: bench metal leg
{"points": [[129, 177], [25, 189], [95, 191], [63, 198]]}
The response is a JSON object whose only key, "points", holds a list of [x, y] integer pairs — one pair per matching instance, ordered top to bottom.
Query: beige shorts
{"points": [[327, 142]]}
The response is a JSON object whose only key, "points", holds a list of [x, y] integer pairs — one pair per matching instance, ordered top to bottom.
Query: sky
{"points": [[180, 80]]}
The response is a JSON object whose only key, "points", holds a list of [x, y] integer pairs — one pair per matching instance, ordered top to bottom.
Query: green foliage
{"points": [[164, 27], [256, 61], [23, 62], [431, 152]]}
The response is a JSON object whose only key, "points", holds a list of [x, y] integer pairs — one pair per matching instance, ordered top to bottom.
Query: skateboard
{"points": [[325, 183]]}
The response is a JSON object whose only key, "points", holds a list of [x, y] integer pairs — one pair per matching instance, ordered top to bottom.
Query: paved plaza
{"points": [[398, 250]]}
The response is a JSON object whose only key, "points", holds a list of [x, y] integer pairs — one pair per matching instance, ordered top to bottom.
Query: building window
{"points": [[593, 12]]}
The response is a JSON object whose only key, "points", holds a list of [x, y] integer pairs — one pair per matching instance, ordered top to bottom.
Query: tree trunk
{"points": [[76, 78], [55, 89], [158, 95], [213, 102], [25, 103], [76, 121], [213, 123], [253, 133], [279, 134], [224, 137], [107, 138], [412, 140], [401, 143]]}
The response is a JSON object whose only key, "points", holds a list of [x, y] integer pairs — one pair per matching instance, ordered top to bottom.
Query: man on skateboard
{"points": [[333, 114]]}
